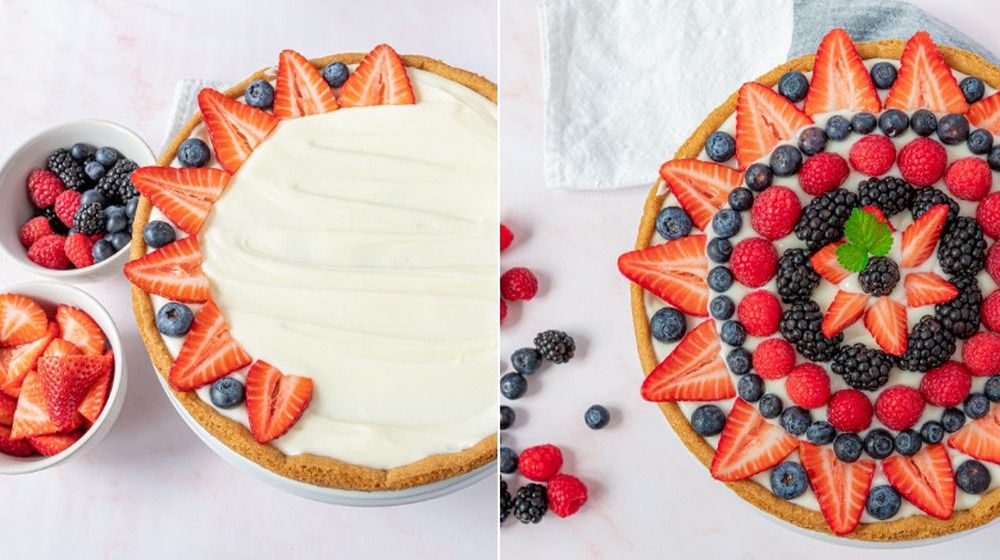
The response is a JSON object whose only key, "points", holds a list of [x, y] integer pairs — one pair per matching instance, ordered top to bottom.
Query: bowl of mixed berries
{"points": [[68, 201]]}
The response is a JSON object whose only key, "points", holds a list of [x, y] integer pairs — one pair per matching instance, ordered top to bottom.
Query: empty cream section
{"points": [[359, 248]]}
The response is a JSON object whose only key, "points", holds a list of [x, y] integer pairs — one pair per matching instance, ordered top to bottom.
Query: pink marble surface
{"points": [[152, 489], [649, 497]]}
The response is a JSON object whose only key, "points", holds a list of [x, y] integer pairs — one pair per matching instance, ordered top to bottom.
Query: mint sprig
{"points": [[866, 237]]}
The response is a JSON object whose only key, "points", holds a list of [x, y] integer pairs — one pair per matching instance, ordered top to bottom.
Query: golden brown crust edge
{"points": [[310, 469], [911, 528]]}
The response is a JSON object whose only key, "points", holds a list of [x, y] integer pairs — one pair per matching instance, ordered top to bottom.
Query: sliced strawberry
{"points": [[380, 79], [840, 79], [925, 80], [300, 89], [986, 113], [764, 118], [234, 128], [701, 187], [183, 194], [879, 215], [921, 237], [825, 263], [172, 271], [675, 271], [927, 288], [845, 309], [21, 320], [886, 321], [80, 329], [61, 347], [209, 352], [16, 362], [694, 371], [65, 382], [97, 396], [275, 401], [8, 405], [32, 417], [979, 438], [54, 444], [749, 444], [14, 447], [925, 479], [841, 488]]}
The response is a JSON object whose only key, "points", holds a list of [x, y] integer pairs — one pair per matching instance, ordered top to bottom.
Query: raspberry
{"points": [[873, 155], [922, 162], [822, 173], [969, 179], [43, 188], [66, 205], [775, 212], [988, 215], [33, 230], [506, 237], [79, 249], [49, 252], [754, 261], [518, 283], [503, 311], [990, 311], [760, 313], [981, 353], [774, 358], [946, 385], [808, 386], [899, 407], [849, 410], [540, 463], [566, 494]]}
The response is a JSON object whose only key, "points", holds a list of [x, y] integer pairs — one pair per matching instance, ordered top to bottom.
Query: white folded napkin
{"points": [[185, 104]]}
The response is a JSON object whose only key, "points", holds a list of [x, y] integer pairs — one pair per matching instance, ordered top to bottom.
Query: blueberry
{"points": [[335, 74], [883, 75], [794, 86], [972, 88], [259, 94], [893, 122], [923, 122], [863, 123], [837, 127], [953, 129], [812, 141], [980, 141], [720, 146], [79, 151], [193, 152], [106, 156], [994, 159], [786, 160], [93, 170], [758, 177], [92, 196], [741, 199], [130, 207], [117, 221], [727, 222], [673, 223], [158, 233], [119, 240], [102, 250], [719, 250], [720, 278], [721, 307], [174, 319], [667, 324], [733, 333], [526, 360], [739, 361], [513, 385], [750, 387], [992, 388], [227, 392], [770, 405], [976, 406], [507, 417], [597, 417], [708, 420], [795, 420], [952, 420], [821, 432], [932, 432], [908, 442], [878, 443], [848, 447], [508, 460], [972, 477], [789, 480], [883, 502]]}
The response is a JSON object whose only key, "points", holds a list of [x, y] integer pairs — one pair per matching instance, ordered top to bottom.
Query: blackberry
{"points": [[69, 170], [116, 185], [890, 194], [926, 197], [90, 219], [822, 220], [58, 227], [962, 247], [796, 277], [879, 277], [961, 315], [801, 325], [929, 345], [555, 346], [862, 367], [506, 502], [530, 503]]}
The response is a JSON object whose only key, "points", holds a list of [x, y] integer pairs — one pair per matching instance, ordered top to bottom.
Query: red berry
{"points": [[873, 155], [922, 162], [822, 173], [969, 178], [43, 188], [67, 203], [775, 212], [988, 215], [33, 230], [506, 237], [79, 250], [49, 252], [754, 261], [993, 262], [518, 283], [503, 311], [990, 311], [760, 313], [981, 353], [774, 358], [947, 384], [808, 386], [899, 407], [849, 410], [540, 463], [566, 493]]}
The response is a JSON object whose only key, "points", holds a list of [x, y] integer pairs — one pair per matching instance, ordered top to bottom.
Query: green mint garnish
{"points": [[865, 236]]}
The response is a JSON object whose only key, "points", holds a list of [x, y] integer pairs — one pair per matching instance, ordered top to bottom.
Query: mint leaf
{"points": [[867, 233], [881, 242], [852, 257]]}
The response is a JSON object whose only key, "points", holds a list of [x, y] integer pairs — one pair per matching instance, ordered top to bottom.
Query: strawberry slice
{"points": [[380, 79], [840, 79], [925, 80], [300, 89], [986, 113], [764, 118], [234, 128], [701, 187], [183, 194], [879, 215], [921, 237], [825, 263], [172, 271], [675, 271], [926, 288], [845, 309], [21, 320], [886, 321], [80, 329], [61, 347], [209, 352], [16, 362], [694, 371], [65, 382], [97, 396], [275, 401], [8, 405], [32, 417], [979, 438], [54, 444], [749, 444], [14, 447], [925, 479], [841, 488]]}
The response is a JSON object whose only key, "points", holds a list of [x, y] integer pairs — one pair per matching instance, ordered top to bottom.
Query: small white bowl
{"points": [[15, 208], [49, 295]]}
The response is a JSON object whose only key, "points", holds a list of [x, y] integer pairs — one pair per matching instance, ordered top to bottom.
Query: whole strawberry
{"points": [[518, 283], [899, 407], [540, 462], [566, 494]]}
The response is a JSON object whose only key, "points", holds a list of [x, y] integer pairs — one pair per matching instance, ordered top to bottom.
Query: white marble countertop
{"points": [[152, 489]]}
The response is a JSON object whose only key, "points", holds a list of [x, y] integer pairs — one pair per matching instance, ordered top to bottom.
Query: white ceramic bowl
{"points": [[15, 208], [49, 295]]}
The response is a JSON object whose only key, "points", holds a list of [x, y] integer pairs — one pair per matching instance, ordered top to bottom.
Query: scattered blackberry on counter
{"points": [[336, 73], [883, 75], [794, 86], [972, 88], [259, 94], [893, 122], [923, 122], [837, 128], [953, 129], [812, 140], [980, 141], [720, 146], [193, 152], [106, 156], [786, 160], [69, 170], [758, 177], [116, 185], [890, 194], [926, 197], [741, 199], [823, 218], [90, 219], [727, 222], [673, 223], [962, 247], [718, 249], [879, 277], [720, 278], [722, 308], [961, 315], [174, 319], [666, 325], [801, 325], [733, 333], [929, 345], [555, 346], [526, 361], [739, 361], [862, 367], [513, 385], [750, 387], [992, 388], [227, 392], [770, 405], [976, 406], [507, 417], [597, 417], [708, 420], [795, 420], [952, 420], [821, 432], [932, 432], [908, 442], [878, 443], [848, 447], [508, 460], [972, 477], [789, 480], [506, 502], [883, 502], [530, 503]]}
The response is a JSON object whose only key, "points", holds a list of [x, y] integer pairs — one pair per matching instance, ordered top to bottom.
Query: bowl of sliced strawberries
{"points": [[62, 375]]}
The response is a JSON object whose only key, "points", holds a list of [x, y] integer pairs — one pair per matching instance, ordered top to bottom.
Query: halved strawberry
{"points": [[380, 79], [840, 79], [925, 80], [300, 89], [986, 113], [764, 118], [234, 128], [701, 187], [183, 194], [921, 237], [825, 263], [172, 271], [675, 271], [926, 288], [845, 309], [21, 320], [886, 321], [80, 329], [61, 347], [209, 352], [16, 362], [694, 371], [65, 382], [97, 396], [275, 401], [8, 405], [32, 416], [979, 438], [54, 444], [749, 444], [14, 447], [926, 479], [841, 488]]}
